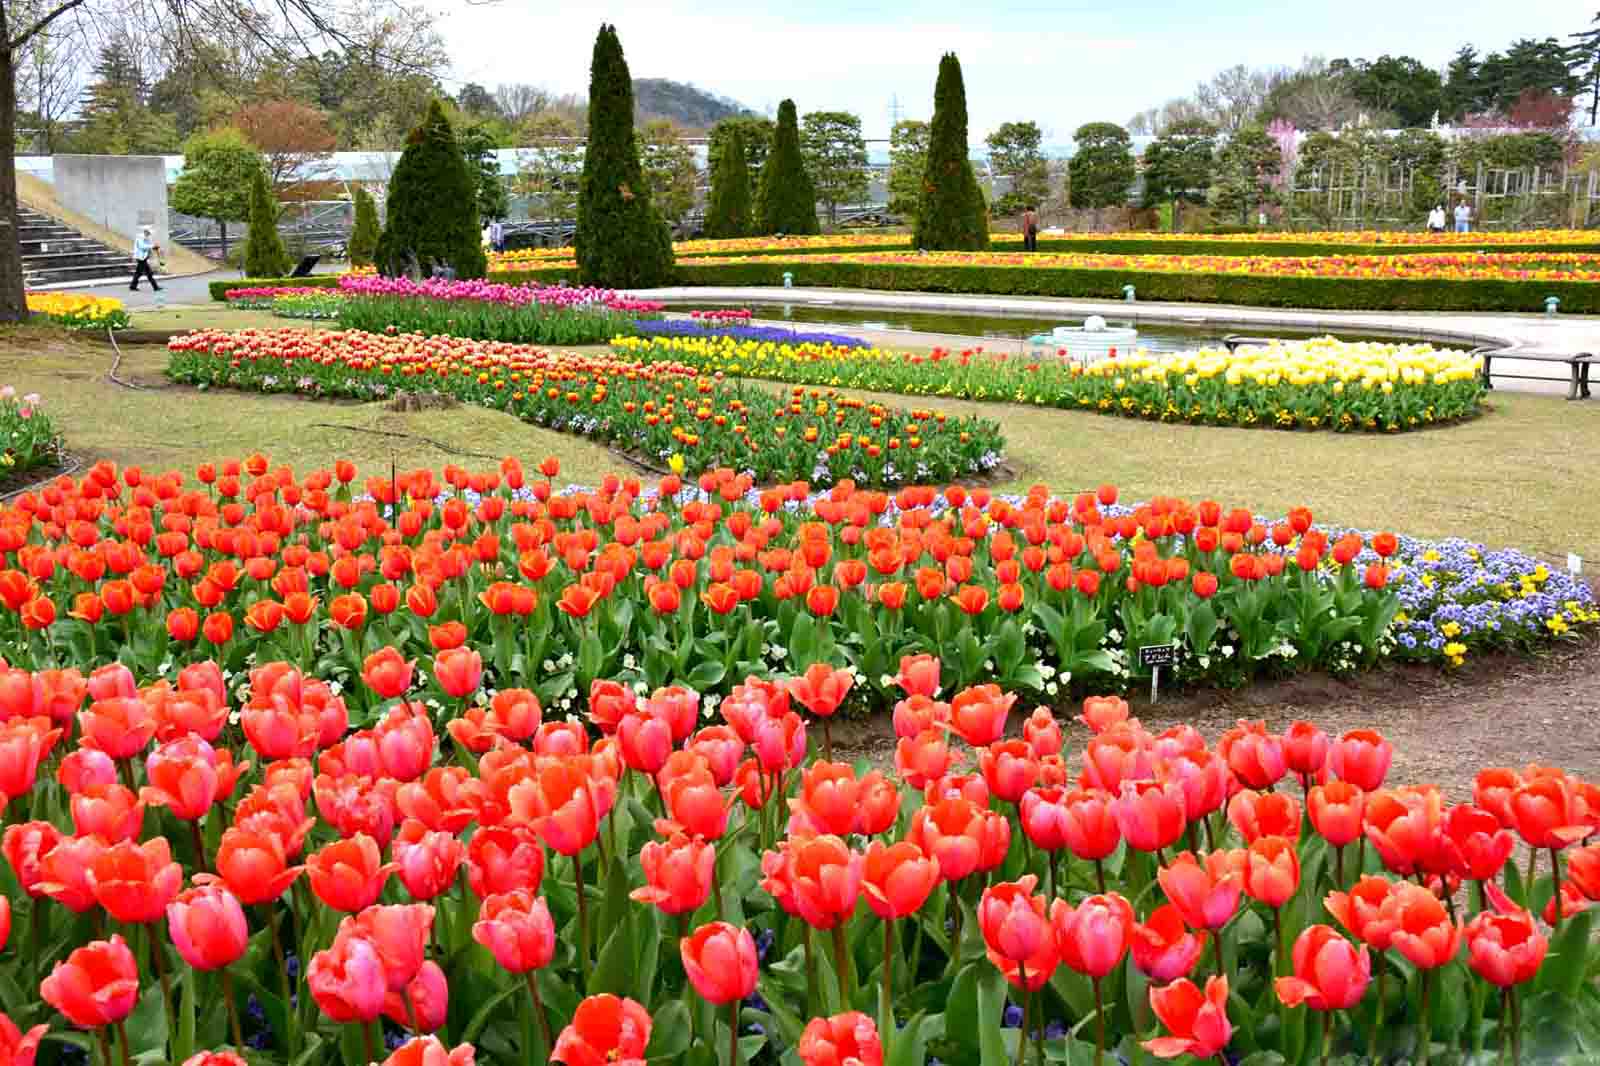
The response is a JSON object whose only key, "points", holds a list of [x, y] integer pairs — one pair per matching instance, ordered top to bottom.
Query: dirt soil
{"points": [[1500, 710]]}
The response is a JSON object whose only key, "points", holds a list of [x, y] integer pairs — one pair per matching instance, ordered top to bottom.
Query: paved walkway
{"points": [[1559, 334]]}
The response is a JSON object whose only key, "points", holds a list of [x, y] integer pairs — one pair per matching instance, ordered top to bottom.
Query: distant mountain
{"points": [[682, 103]]}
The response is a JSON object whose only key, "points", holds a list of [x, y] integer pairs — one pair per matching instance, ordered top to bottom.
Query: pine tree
{"points": [[788, 198], [433, 205], [728, 213], [953, 215], [364, 236], [622, 241], [264, 255]]}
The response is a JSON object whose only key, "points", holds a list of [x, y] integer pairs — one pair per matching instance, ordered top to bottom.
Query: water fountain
{"points": [[1089, 342]]}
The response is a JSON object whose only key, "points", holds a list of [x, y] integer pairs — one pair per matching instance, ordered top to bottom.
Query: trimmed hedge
{"points": [[1173, 246], [1248, 290]]}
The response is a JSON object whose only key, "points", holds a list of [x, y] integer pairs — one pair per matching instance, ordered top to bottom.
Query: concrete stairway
{"points": [[54, 253]]}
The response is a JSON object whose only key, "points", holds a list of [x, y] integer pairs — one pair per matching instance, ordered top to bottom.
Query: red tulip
{"points": [[458, 671], [387, 673], [919, 675], [820, 689], [1104, 713], [978, 714], [120, 727], [404, 739], [645, 741], [24, 742], [1305, 749], [1119, 754], [1255, 756], [922, 758], [1362, 758], [1010, 767], [187, 776], [1492, 790], [829, 795], [563, 804], [879, 804], [1337, 809], [110, 812], [1550, 812], [1150, 814], [1259, 814], [1090, 829], [951, 832], [1475, 844], [25, 845], [504, 858], [426, 859], [254, 865], [1583, 867], [1271, 870], [64, 872], [677, 874], [348, 875], [824, 878], [897, 879], [135, 882], [1206, 895], [1364, 911], [1013, 921], [207, 927], [517, 929], [399, 932], [1424, 932], [1092, 937], [1504, 947], [1163, 948], [720, 962], [1329, 972], [347, 980], [96, 985], [424, 1002], [1197, 1023], [606, 1029], [849, 1039], [18, 1048], [427, 1051]]}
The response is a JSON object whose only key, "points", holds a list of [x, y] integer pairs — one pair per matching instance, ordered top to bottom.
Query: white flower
{"points": [[628, 661], [1051, 688]]}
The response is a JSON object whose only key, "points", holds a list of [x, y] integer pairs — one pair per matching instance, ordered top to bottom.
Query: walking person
{"points": [[1463, 217], [1436, 219], [1030, 229], [497, 236], [144, 246]]}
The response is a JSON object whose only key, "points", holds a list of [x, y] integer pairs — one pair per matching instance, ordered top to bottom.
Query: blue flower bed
{"points": [[685, 327]]}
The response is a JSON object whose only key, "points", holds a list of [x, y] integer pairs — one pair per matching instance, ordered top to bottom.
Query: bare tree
{"points": [[50, 79], [1234, 97], [519, 102]]}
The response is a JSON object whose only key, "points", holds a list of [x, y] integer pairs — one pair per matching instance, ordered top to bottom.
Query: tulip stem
{"points": [[827, 740], [199, 845], [1555, 864], [1338, 866], [1100, 875], [583, 912], [274, 915], [1277, 931], [841, 959], [811, 976], [166, 981], [233, 1009], [1027, 1009], [1377, 1010], [538, 1011], [1505, 1021], [1424, 1023], [1099, 1026], [1516, 1027], [887, 1030], [733, 1033], [1327, 1035], [366, 1037], [105, 1044], [127, 1056]]}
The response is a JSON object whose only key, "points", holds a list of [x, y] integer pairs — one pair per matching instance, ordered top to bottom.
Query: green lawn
{"points": [[1523, 475]]}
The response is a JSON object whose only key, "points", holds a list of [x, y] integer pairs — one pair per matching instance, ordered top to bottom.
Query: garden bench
{"points": [[1233, 341], [1577, 367]]}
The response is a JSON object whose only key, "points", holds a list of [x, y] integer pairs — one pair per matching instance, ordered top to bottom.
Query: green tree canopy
{"points": [[1400, 86], [755, 133], [478, 146], [1014, 153], [835, 155], [908, 159], [1178, 165], [1246, 166], [219, 168], [669, 168], [550, 169], [1101, 169], [787, 197], [432, 210], [728, 210], [953, 215], [364, 235], [622, 241], [264, 254]]}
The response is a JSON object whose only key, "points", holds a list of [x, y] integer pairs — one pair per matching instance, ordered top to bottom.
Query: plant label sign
{"points": [[1574, 564], [1154, 657]]}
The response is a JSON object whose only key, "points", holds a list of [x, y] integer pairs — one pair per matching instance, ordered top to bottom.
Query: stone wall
{"points": [[120, 192]]}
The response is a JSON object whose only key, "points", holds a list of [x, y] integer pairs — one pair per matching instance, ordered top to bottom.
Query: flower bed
{"points": [[1273, 243], [79, 312], [720, 331], [1316, 384], [665, 413], [29, 440], [660, 876]]}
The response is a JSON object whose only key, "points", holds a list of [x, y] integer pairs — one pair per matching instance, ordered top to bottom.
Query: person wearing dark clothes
{"points": [[1030, 230], [144, 246]]}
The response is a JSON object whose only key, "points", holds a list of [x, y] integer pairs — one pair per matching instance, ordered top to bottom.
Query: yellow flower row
{"points": [[1300, 363]]}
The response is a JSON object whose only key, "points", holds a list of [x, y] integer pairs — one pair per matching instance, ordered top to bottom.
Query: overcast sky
{"points": [[1059, 63]]}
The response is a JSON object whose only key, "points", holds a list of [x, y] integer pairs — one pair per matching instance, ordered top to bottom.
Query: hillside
{"points": [[682, 103]]}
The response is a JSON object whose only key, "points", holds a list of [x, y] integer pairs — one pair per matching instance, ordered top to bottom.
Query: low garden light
{"points": [[788, 279], [1128, 293], [1552, 305]]}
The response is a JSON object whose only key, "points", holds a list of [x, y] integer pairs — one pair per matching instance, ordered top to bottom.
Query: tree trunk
{"points": [[223, 225], [13, 301]]}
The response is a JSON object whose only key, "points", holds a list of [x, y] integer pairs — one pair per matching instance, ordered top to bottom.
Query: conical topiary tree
{"points": [[788, 197], [433, 205], [728, 213], [953, 215], [364, 236], [622, 242], [264, 254]]}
